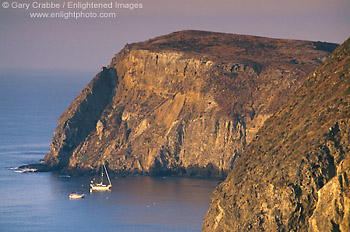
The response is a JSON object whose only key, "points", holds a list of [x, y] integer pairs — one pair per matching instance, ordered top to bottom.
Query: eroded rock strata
{"points": [[186, 103], [295, 174]]}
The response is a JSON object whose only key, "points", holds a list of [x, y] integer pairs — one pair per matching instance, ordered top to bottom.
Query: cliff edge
{"points": [[186, 103], [294, 176]]}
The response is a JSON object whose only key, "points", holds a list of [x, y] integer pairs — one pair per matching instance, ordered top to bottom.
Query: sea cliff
{"points": [[187, 103], [294, 175]]}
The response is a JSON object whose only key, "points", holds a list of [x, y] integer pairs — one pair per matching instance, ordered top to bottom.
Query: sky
{"points": [[88, 43]]}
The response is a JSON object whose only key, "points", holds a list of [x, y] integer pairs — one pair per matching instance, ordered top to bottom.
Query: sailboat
{"points": [[101, 186]]}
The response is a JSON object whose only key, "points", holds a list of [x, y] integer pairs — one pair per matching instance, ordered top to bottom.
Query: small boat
{"points": [[101, 186], [76, 196]]}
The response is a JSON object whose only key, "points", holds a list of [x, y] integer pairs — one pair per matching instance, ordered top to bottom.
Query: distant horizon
{"points": [[88, 43]]}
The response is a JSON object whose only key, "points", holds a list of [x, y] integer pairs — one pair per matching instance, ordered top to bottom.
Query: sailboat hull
{"points": [[100, 187]]}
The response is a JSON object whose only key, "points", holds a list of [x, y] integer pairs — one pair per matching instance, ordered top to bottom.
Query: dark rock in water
{"points": [[186, 103], [294, 176]]}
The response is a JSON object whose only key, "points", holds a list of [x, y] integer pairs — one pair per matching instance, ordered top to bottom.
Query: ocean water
{"points": [[30, 104]]}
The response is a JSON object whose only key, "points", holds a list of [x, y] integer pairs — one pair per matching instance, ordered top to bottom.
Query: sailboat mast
{"points": [[107, 176]]}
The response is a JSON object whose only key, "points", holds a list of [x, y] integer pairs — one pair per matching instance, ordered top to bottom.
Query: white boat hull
{"points": [[100, 187], [76, 196]]}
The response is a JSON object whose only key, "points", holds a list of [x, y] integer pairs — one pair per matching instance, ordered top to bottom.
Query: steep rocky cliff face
{"points": [[186, 103], [295, 175]]}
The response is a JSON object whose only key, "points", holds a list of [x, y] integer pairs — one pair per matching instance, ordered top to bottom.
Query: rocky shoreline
{"points": [[195, 172]]}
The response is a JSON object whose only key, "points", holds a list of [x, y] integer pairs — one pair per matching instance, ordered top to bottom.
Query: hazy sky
{"points": [[90, 43]]}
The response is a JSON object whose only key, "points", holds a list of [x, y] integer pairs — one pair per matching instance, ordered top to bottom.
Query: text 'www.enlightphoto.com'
{"points": [[71, 10]]}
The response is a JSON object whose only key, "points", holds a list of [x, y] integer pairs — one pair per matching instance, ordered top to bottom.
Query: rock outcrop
{"points": [[186, 103], [295, 174]]}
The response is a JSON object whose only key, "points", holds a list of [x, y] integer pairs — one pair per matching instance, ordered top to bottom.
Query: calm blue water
{"points": [[30, 104]]}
